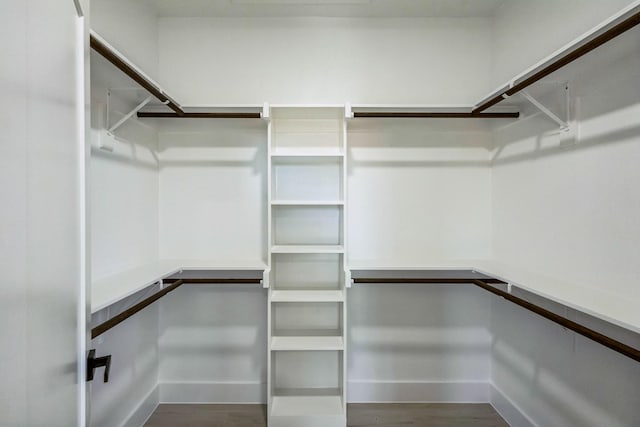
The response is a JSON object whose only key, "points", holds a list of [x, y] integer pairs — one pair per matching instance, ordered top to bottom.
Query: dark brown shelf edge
{"points": [[571, 56], [119, 63], [212, 115], [434, 115], [448, 280], [218, 281], [175, 283], [484, 283], [116, 320], [593, 335]]}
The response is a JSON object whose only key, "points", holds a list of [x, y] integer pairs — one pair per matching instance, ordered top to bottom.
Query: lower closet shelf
{"points": [[307, 343], [321, 405]]}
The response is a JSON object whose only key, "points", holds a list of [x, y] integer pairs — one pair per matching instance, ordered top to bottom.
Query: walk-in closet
{"points": [[321, 213]]}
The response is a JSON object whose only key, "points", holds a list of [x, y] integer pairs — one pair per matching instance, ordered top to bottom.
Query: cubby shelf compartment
{"points": [[307, 249], [307, 296], [307, 343], [296, 405]]}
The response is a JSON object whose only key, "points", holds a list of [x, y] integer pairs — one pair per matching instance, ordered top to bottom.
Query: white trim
{"points": [[365, 391], [508, 410], [141, 414]]}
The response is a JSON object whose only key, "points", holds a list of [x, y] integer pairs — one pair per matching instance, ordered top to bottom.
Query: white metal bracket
{"points": [[265, 111], [348, 111], [130, 114], [564, 124]]}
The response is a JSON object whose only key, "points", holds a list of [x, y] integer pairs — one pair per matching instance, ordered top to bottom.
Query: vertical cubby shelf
{"points": [[307, 175]]}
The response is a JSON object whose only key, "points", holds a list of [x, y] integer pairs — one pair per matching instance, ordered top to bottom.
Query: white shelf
{"points": [[306, 152], [307, 203], [307, 249], [111, 289], [307, 296], [617, 309], [308, 343], [292, 406]]}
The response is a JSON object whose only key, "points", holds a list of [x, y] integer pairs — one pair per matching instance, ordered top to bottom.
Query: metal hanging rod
{"points": [[571, 54], [112, 56], [211, 115], [435, 115], [239, 281], [483, 281], [174, 284], [105, 326], [606, 341]]}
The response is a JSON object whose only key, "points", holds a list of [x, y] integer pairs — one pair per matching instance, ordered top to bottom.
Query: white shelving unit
{"points": [[307, 319]]}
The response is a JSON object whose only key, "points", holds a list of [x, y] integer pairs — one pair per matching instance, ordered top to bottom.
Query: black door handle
{"points": [[94, 362]]}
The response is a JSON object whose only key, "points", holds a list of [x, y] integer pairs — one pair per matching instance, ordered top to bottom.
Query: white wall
{"points": [[132, 28], [525, 31], [330, 60], [41, 169], [411, 184], [213, 190], [419, 194], [565, 205], [124, 216], [124, 227], [213, 338], [418, 343], [131, 394]]}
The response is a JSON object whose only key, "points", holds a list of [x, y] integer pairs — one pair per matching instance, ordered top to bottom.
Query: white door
{"points": [[42, 158]]}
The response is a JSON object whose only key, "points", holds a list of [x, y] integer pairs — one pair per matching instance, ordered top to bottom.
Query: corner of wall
{"points": [[145, 409], [508, 410]]}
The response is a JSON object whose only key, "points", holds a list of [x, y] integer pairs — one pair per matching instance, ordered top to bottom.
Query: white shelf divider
{"points": [[306, 152], [307, 203], [307, 249], [307, 295], [307, 343], [302, 406]]}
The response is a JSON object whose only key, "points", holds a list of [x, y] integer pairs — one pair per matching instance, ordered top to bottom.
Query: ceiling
{"points": [[327, 8]]}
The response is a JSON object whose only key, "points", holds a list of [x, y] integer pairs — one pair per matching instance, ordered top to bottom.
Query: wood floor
{"points": [[358, 415]]}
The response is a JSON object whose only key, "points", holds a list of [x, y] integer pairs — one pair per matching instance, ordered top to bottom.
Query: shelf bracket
{"points": [[348, 111], [130, 114], [564, 125]]}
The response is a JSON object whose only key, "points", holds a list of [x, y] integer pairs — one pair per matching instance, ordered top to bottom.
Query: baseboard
{"points": [[400, 391], [213, 392], [358, 392], [509, 410], [141, 414]]}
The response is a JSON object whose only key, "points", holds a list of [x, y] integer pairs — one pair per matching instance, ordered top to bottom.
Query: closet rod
{"points": [[569, 57], [135, 75], [211, 115], [436, 115], [218, 280], [563, 321], [104, 327]]}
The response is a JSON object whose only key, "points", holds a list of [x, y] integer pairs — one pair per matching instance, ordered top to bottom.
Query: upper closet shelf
{"points": [[619, 23], [159, 110], [430, 111], [115, 288]]}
